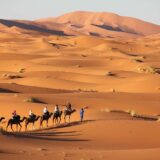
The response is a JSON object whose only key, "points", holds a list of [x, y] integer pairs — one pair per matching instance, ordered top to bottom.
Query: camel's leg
{"points": [[69, 118], [59, 119], [64, 119], [53, 120], [41, 122], [47, 123], [26, 124], [41, 125], [7, 126], [16, 127], [20, 127], [26, 127], [33, 127], [12, 128]]}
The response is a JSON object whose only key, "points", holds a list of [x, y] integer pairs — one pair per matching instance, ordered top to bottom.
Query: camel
{"points": [[68, 113], [57, 116], [45, 118], [1, 119], [31, 120], [17, 121]]}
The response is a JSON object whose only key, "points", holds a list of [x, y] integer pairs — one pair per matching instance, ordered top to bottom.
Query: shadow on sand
{"points": [[33, 27], [49, 134]]}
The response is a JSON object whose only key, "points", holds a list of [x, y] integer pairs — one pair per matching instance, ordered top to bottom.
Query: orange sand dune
{"points": [[108, 21], [102, 24], [111, 70]]}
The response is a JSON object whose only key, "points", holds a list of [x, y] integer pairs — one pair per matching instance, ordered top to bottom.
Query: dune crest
{"points": [[106, 21], [102, 24], [103, 62]]}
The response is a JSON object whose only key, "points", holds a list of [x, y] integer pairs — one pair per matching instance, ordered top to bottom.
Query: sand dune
{"points": [[104, 20], [103, 24], [108, 66]]}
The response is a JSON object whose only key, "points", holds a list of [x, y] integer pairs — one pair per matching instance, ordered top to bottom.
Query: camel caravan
{"points": [[56, 117]]}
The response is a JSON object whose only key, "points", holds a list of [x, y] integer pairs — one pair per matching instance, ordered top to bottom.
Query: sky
{"points": [[148, 10]]}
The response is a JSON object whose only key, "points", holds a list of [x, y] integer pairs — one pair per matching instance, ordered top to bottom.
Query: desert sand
{"points": [[114, 71]]}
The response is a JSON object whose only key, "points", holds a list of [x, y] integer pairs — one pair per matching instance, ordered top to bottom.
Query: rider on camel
{"points": [[69, 106], [56, 109], [45, 111], [14, 114], [31, 115]]}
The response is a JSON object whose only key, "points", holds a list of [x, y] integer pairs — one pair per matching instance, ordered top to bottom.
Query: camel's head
{"points": [[60, 113], [2, 118]]}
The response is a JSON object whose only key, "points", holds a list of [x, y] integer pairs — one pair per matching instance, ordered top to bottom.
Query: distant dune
{"points": [[103, 20], [101, 24]]}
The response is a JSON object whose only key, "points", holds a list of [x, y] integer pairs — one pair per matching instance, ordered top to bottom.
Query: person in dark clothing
{"points": [[81, 114]]}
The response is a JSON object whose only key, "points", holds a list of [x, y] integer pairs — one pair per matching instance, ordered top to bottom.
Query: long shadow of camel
{"points": [[75, 123], [46, 135]]}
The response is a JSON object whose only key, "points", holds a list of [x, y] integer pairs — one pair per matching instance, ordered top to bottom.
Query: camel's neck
{"points": [[73, 111], [50, 115], [1, 119], [22, 119], [36, 119]]}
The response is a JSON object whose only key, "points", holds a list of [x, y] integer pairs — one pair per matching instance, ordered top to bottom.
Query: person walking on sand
{"points": [[81, 114]]}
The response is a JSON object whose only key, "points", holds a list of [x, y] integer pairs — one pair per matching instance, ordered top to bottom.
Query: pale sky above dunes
{"points": [[148, 10]]}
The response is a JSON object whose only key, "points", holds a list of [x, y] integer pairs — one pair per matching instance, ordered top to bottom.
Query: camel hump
{"points": [[34, 116], [18, 117]]}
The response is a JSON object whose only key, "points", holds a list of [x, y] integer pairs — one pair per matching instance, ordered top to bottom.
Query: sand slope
{"points": [[103, 20], [102, 24], [114, 77]]}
